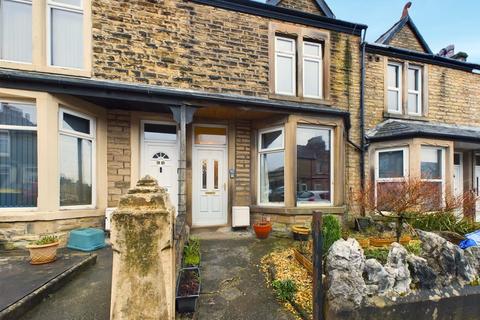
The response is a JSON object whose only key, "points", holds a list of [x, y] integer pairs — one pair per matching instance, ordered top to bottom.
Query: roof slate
{"points": [[321, 4], [407, 20], [397, 129]]}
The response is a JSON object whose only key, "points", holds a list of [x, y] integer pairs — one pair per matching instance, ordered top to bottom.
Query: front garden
{"points": [[384, 257]]}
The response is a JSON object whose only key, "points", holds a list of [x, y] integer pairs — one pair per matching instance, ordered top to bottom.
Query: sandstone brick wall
{"points": [[302, 5], [406, 39], [118, 155], [243, 163], [19, 234]]}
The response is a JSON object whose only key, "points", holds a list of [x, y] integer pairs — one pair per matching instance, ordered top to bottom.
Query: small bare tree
{"points": [[395, 200]]}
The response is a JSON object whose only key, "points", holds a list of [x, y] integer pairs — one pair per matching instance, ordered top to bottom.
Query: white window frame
{"points": [[30, 2], [52, 4], [286, 54], [312, 58], [398, 89], [418, 92], [21, 128], [76, 134], [262, 151], [405, 151], [7, 153], [442, 163], [332, 174]]}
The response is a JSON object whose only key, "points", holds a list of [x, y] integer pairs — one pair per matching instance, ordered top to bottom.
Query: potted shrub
{"points": [[262, 229], [300, 233], [43, 250], [191, 253], [188, 290]]}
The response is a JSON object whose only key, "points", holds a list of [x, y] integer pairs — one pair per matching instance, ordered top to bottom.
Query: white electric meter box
{"points": [[240, 217]]}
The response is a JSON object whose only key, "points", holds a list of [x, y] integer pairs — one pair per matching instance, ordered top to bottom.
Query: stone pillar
{"points": [[143, 285]]}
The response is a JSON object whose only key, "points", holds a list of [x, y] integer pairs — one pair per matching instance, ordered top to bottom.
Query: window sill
{"points": [[45, 69], [300, 99], [389, 115], [297, 210], [25, 216]]}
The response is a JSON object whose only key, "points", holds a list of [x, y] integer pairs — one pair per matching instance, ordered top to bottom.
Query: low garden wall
{"points": [[441, 283]]}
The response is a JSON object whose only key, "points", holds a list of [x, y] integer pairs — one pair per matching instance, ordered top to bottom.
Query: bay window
{"points": [[65, 25], [16, 30], [285, 60], [312, 70], [394, 88], [77, 154], [18, 155], [314, 165], [271, 166], [391, 170], [432, 173]]}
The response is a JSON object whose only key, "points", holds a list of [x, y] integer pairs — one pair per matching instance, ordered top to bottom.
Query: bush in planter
{"points": [[332, 231], [43, 250], [191, 252], [188, 290]]}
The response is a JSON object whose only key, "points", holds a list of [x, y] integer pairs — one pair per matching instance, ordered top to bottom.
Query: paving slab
{"points": [[233, 286]]}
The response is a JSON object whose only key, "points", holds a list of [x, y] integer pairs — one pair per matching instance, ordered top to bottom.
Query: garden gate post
{"points": [[317, 222], [143, 273]]}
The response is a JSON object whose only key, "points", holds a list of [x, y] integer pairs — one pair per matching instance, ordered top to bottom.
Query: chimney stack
{"points": [[449, 52]]}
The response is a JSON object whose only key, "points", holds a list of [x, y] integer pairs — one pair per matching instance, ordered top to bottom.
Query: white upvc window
{"points": [[16, 30], [65, 33], [285, 70], [312, 70], [394, 88], [415, 90], [18, 155], [77, 160], [271, 164], [432, 167], [391, 169]]}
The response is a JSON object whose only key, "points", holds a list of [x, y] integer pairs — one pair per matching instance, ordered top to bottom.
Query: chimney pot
{"points": [[405, 9]]}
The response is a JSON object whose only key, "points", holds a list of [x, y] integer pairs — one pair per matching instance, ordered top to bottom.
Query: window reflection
{"points": [[313, 165]]}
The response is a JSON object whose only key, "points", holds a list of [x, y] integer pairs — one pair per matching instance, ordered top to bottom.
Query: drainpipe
{"points": [[362, 116]]}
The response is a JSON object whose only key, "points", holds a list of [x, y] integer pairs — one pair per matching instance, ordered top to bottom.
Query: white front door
{"points": [[160, 160], [209, 203]]}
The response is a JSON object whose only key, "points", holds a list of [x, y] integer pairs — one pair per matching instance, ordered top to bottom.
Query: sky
{"points": [[441, 22]]}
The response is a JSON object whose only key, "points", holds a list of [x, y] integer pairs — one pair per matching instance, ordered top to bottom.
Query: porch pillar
{"points": [[183, 115]]}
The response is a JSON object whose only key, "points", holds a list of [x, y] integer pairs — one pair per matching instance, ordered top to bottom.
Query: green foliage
{"points": [[442, 221], [332, 231], [46, 240], [414, 247], [191, 252], [380, 254], [285, 289]]}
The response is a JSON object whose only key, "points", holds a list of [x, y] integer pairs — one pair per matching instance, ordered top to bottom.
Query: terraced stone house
{"points": [[241, 109], [421, 114]]}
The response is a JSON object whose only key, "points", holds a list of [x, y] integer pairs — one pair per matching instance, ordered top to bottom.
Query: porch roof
{"points": [[110, 94], [400, 129]]}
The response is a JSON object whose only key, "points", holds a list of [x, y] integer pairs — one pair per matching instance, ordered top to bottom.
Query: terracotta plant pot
{"points": [[262, 229], [300, 233], [41, 254]]}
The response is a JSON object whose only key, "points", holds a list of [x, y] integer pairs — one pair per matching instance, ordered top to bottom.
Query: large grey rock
{"points": [[345, 255], [472, 255], [446, 259], [397, 268], [423, 276], [377, 280], [346, 288]]}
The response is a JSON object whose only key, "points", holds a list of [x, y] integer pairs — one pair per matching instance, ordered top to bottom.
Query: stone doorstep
{"points": [[25, 304]]}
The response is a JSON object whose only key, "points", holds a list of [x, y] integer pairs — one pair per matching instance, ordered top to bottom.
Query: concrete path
{"points": [[233, 286], [86, 297]]}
